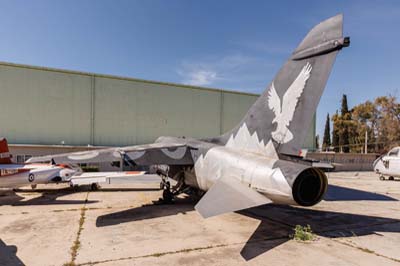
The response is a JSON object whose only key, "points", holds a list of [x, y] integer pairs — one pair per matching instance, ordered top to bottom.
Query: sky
{"points": [[232, 45]]}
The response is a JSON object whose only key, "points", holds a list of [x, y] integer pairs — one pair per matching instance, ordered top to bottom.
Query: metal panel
{"points": [[44, 107], [234, 108], [129, 112]]}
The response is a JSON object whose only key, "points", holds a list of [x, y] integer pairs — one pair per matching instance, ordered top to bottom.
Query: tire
{"points": [[382, 178], [391, 178], [94, 187], [167, 196]]}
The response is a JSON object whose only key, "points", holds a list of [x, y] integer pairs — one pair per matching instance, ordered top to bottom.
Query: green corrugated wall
{"points": [[51, 106]]}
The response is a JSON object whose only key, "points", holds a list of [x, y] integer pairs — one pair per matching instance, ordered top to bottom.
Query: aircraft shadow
{"points": [[103, 189], [338, 193], [48, 197], [150, 211], [278, 222], [8, 255]]}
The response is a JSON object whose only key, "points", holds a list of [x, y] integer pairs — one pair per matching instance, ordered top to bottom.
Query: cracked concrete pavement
{"points": [[357, 224]]}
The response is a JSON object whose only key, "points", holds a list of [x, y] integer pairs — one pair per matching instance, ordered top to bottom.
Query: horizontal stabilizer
{"points": [[114, 178], [228, 195]]}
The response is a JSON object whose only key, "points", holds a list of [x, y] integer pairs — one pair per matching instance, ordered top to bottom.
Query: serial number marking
{"points": [[8, 171]]}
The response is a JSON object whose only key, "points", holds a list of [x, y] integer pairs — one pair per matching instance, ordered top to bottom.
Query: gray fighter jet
{"points": [[256, 162]]}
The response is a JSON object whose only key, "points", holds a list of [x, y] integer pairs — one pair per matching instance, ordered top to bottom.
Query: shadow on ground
{"points": [[338, 193], [50, 196], [45, 197], [150, 211], [278, 221], [8, 255]]}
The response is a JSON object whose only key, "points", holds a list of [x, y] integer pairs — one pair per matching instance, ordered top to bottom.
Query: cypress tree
{"points": [[345, 107], [335, 132], [344, 138], [326, 142]]}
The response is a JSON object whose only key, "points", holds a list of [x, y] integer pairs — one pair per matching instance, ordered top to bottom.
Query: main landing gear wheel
{"points": [[382, 178], [391, 178], [94, 187], [167, 196]]}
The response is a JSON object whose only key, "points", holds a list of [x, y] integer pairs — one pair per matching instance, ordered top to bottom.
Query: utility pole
{"points": [[366, 141]]}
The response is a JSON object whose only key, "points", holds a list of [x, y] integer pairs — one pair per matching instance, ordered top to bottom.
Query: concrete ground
{"points": [[357, 224]]}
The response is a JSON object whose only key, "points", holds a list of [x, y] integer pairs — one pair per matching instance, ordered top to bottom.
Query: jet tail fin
{"points": [[284, 112], [5, 156], [228, 195]]}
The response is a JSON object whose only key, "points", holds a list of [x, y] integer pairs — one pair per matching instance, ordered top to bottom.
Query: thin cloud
{"points": [[234, 71], [200, 77]]}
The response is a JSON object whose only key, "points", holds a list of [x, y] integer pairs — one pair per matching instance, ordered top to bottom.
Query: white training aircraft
{"points": [[388, 165], [31, 174]]}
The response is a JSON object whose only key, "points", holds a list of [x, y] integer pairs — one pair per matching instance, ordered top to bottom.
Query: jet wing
{"points": [[149, 154], [132, 177], [228, 195]]}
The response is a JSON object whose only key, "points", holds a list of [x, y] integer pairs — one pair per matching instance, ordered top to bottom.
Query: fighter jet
{"points": [[257, 161], [31, 174]]}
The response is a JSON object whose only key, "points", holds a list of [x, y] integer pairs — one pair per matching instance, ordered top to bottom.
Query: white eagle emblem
{"points": [[284, 112]]}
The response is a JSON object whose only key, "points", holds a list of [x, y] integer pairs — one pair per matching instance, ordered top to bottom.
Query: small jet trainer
{"points": [[257, 161], [388, 165], [31, 174]]}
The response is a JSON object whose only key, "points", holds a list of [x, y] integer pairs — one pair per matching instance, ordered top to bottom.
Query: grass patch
{"points": [[303, 233], [77, 243]]}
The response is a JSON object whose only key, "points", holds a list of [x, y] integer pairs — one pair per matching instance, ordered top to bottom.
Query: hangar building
{"points": [[45, 110]]}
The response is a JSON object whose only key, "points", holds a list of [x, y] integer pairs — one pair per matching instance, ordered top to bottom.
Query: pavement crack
{"points": [[77, 243], [366, 250], [159, 254]]}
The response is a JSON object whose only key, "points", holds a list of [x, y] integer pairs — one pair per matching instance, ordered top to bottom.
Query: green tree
{"points": [[365, 117], [388, 122], [335, 132], [344, 137], [326, 142]]}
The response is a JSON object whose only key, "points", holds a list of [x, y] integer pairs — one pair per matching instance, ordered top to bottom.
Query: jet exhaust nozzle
{"points": [[309, 187]]}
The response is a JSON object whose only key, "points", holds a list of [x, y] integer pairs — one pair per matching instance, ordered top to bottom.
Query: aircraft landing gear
{"points": [[382, 178], [391, 178], [34, 186], [94, 187], [170, 192], [167, 193]]}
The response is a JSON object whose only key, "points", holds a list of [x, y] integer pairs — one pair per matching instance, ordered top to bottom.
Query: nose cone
{"points": [[378, 164], [66, 174]]}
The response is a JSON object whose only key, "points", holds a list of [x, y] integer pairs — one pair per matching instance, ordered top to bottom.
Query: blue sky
{"points": [[236, 45]]}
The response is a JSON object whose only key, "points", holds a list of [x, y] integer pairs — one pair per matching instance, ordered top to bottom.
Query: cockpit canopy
{"points": [[394, 152]]}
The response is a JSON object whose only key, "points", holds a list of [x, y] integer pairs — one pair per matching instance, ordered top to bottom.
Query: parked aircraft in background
{"points": [[256, 162], [388, 165], [31, 174]]}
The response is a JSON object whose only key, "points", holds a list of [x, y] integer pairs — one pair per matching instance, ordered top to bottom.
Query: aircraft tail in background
{"points": [[5, 156]]}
